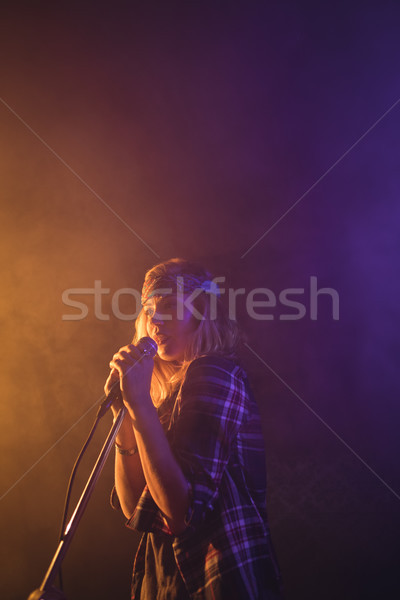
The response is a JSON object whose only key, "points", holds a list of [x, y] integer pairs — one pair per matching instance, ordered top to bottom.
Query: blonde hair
{"points": [[214, 334]]}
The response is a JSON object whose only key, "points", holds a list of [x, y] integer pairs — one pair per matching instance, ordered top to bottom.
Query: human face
{"points": [[171, 334]]}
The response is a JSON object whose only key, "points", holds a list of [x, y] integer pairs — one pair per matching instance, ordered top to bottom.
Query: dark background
{"points": [[200, 124]]}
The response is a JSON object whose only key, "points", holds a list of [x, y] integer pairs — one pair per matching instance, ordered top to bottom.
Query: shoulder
{"points": [[217, 362], [214, 366], [215, 375], [214, 392]]}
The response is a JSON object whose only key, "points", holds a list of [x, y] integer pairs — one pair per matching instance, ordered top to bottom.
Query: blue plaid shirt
{"points": [[215, 434]]}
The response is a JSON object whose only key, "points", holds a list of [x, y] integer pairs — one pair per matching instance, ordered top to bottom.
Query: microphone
{"points": [[148, 347]]}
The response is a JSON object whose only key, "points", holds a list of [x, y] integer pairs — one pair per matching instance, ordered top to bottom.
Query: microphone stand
{"points": [[47, 590]]}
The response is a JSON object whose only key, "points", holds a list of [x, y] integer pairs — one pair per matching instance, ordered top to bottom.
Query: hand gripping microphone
{"points": [[148, 347]]}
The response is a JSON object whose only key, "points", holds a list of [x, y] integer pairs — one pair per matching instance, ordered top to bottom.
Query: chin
{"points": [[165, 355], [168, 356]]}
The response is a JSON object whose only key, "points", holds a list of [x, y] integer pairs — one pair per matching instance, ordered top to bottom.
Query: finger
{"points": [[131, 349], [123, 356], [128, 358], [117, 364], [122, 364], [113, 374], [112, 377]]}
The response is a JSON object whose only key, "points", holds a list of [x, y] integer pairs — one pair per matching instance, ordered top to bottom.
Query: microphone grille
{"points": [[147, 346]]}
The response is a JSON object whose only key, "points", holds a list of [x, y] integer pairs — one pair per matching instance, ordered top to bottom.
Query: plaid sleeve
{"points": [[212, 408], [147, 516]]}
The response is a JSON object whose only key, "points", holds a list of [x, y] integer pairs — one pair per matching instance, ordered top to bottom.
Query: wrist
{"points": [[142, 409], [125, 437], [126, 451]]}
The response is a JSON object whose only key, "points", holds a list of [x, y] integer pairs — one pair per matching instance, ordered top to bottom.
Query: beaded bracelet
{"points": [[128, 452]]}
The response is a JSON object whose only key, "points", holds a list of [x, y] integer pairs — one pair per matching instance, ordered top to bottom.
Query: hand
{"points": [[134, 370], [113, 379]]}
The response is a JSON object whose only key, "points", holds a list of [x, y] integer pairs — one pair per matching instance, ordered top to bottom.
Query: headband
{"points": [[180, 284]]}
